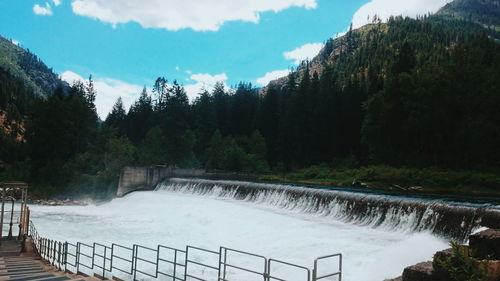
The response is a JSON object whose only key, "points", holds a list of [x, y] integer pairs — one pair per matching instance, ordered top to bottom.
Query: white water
{"points": [[178, 219]]}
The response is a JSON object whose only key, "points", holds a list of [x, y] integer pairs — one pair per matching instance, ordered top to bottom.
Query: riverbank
{"points": [[405, 180], [429, 180], [61, 202]]}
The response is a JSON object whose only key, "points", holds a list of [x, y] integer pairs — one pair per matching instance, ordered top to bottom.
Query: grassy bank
{"points": [[386, 177]]}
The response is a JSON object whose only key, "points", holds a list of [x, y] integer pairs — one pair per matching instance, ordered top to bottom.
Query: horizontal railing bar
{"points": [[102, 245], [120, 246], [147, 248], [170, 248], [204, 250], [243, 252], [85, 255], [329, 256], [103, 257], [123, 259], [144, 260], [171, 262], [201, 264], [290, 264], [84, 265], [119, 269], [244, 269], [127, 272], [145, 273], [168, 275], [187, 275], [329, 275]]}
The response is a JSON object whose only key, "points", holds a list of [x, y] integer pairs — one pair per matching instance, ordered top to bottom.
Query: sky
{"points": [[126, 44]]}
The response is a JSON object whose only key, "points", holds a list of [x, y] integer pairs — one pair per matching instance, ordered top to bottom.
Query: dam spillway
{"points": [[446, 218], [378, 234]]}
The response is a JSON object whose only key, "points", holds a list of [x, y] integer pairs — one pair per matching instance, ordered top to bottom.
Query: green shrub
{"points": [[461, 266]]}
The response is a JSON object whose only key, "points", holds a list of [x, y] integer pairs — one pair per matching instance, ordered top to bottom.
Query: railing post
{"points": [[58, 244], [54, 246], [49, 249], [93, 255], [66, 256], [77, 259], [111, 259], [157, 260], [134, 261], [225, 262], [104, 263], [186, 263], [175, 264], [220, 264], [340, 267], [267, 270]]}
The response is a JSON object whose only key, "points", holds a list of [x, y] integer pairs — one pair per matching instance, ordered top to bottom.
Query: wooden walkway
{"points": [[15, 266]]}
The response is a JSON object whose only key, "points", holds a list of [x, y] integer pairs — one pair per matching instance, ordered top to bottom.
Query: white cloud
{"points": [[56, 2], [386, 8], [42, 11], [199, 15], [15, 42], [304, 52], [270, 76], [71, 77], [208, 78], [203, 81], [108, 90]]}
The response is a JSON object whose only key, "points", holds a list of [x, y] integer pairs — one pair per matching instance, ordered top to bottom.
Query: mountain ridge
{"points": [[470, 11], [23, 64]]}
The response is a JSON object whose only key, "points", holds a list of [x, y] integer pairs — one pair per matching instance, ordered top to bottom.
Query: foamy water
{"points": [[179, 219]]}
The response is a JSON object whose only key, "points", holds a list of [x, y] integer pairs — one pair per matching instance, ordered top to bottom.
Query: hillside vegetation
{"points": [[484, 12], [28, 68], [410, 102]]}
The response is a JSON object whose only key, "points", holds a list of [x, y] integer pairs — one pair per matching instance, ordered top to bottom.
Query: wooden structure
{"points": [[14, 209]]}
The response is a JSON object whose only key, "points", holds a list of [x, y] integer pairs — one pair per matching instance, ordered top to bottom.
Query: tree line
{"points": [[410, 93]]}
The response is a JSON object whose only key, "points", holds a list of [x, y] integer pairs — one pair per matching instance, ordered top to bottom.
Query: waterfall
{"points": [[448, 219]]}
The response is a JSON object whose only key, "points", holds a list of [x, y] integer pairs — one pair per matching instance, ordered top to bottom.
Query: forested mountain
{"points": [[484, 12], [28, 68], [24, 78], [415, 93], [359, 105]]}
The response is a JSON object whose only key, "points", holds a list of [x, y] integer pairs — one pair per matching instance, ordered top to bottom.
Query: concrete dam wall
{"points": [[146, 178]]}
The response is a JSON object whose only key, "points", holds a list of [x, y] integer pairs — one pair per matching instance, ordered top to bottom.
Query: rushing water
{"points": [[378, 235]]}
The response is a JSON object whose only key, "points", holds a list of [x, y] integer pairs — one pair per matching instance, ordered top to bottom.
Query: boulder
{"points": [[486, 244], [441, 256], [420, 272]]}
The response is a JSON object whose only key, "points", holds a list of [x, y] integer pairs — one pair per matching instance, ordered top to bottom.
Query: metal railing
{"points": [[166, 263]]}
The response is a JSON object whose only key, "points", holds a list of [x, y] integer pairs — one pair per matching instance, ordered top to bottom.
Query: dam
{"points": [[377, 234]]}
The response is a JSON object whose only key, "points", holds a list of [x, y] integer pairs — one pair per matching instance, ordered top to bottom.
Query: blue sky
{"points": [[126, 44]]}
